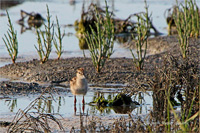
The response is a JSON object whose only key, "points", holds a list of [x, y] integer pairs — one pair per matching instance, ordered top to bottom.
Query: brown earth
{"points": [[115, 71]]}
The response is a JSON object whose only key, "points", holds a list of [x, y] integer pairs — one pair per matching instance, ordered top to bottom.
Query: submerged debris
{"points": [[192, 10], [88, 18], [35, 20], [170, 20], [121, 26], [121, 100], [121, 103], [5, 123]]}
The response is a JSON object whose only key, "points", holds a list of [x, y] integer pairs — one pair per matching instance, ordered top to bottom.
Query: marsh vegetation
{"points": [[10, 41], [171, 76]]}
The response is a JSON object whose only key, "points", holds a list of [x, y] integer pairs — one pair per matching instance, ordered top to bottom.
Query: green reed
{"points": [[195, 20], [187, 24], [142, 30], [59, 36], [45, 39], [10, 40], [100, 42], [177, 80], [12, 104], [35, 118], [184, 121]]}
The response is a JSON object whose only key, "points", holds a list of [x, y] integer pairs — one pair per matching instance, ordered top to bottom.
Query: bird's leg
{"points": [[74, 100], [83, 101], [74, 105], [83, 108], [74, 109]]}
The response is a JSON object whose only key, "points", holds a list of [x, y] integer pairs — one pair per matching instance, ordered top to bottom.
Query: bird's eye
{"points": [[79, 72]]}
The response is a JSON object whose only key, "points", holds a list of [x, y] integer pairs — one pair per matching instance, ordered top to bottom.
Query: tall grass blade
{"points": [[10, 40], [45, 40], [100, 41]]}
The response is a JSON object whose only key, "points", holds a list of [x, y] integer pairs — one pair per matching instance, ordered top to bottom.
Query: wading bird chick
{"points": [[79, 85]]}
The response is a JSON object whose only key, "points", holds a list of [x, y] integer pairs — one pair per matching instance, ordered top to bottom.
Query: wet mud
{"points": [[115, 71]]}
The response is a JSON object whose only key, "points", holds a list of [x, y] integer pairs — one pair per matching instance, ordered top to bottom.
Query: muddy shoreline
{"points": [[116, 70], [33, 77]]}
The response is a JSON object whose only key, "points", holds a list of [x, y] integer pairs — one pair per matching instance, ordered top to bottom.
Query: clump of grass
{"points": [[186, 19], [195, 20], [142, 30], [59, 36], [45, 39], [11, 40], [100, 41], [178, 79], [32, 119], [184, 122], [122, 124]]}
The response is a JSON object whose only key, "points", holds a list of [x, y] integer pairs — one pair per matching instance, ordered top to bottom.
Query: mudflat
{"points": [[115, 71]]}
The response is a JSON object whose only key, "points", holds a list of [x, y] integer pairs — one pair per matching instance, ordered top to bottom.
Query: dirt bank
{"points": [[116, 70]]}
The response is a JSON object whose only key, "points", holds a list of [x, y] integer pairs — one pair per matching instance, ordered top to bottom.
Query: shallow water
{"points": [[67, 14], [64, 104]]}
